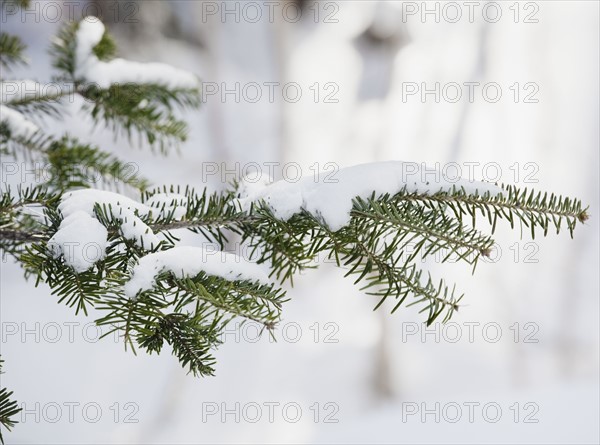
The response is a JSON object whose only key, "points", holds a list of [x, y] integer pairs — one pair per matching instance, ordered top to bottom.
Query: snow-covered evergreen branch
{"points": [[102, 252]]}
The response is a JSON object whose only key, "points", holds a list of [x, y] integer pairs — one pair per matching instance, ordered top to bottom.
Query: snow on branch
{"points": [[121, 71], [18, 125], [332, 199], [126, 211], [78, 233], [103, 250], [187, 261], [148, 280]]}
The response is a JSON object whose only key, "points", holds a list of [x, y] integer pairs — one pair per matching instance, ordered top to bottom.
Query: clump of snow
{"points": [[104, 74], [19, 126], [253, 183], [330, 198], [86, 199], [121, 207], [126, 211], [133, 228], [80, 230], [81, 240], [187, 261]]}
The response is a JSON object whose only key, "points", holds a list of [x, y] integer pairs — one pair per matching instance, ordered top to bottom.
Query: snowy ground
{"points": [[526, 366]]}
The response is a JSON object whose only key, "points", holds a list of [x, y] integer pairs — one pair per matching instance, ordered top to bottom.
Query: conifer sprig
{"points": [[11, 50], [128, 109], [532, 209], [379, 248], [8, 408]]}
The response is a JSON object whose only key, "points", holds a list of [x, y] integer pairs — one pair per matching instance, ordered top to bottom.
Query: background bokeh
{"points": [[529, 337]]}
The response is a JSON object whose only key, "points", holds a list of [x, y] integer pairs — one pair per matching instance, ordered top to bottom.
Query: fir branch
{"points": [[11, 50], [63, 50], [33, 98], [131, 109], [145, 110], [30, 148], [80, 165], [26, 196], [532, 209], [207, 214], [20, 216], [425, 229], [281, 244], [373, 248], [377, 248], [387, 271], [79, 290], [244, 299], [200, 305], [131, 317], [190, 338], [8, 408]]}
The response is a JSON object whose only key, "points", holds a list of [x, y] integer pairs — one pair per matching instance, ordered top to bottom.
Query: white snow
{"points": [[122, 71], [17, 123], [253, 183], [330, 198], [85, 199], [158, 204], [122, 208], [126, 210], [81, 227], [133, 228], [81, 240], [188, 261]]}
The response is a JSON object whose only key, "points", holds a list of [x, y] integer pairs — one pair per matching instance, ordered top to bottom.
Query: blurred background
{"points": [[502, 91]]}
